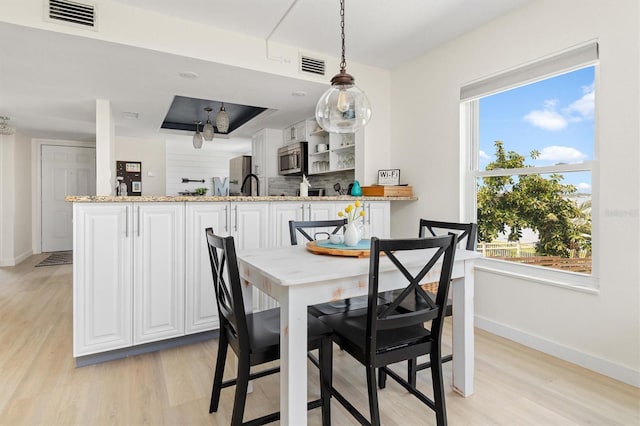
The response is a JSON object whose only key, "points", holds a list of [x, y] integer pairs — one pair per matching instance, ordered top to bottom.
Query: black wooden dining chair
{"points": [[328, 227], [467, 233], [385, 334], [255, 337]]}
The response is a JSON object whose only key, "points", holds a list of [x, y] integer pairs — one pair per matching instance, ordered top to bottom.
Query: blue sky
{"points": [[553, 116]]}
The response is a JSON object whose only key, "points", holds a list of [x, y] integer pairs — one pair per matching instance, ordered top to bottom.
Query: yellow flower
{"points": [[357, 203], [349, 208], [362, 213], [340, 214]]}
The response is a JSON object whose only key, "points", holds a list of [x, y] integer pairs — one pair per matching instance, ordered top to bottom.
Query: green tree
{"points": [[515, 203]]}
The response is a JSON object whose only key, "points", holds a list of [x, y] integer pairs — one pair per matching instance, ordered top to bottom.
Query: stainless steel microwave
{"points": [[292, 159]]}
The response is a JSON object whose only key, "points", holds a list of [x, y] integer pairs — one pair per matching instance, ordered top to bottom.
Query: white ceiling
{"points": [[49, 81]]}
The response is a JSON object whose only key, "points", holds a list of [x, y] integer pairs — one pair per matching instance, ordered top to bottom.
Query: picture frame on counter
{"points": [[389, 177], [136, 186]]}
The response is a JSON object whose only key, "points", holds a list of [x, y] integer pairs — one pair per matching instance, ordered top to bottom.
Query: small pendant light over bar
{"points": [[343, 108], [222, 120], [207, 130], [197, 137]]}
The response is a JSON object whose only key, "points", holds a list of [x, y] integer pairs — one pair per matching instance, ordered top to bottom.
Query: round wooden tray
{"points": [[325, 247]]}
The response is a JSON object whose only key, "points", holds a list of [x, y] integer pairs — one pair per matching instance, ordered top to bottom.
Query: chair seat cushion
{"points": [[339, 306], [264, 331], [349, 331]]}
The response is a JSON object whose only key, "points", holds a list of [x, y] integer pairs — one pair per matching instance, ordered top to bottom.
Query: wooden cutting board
{"points": [[326, 247]]}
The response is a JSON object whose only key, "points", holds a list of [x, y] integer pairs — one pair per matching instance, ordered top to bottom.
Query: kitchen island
{"points": [[141, 274]]}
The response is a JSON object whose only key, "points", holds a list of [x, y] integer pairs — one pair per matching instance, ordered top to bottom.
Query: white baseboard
{"points": [[13, 261], [599, 365]]}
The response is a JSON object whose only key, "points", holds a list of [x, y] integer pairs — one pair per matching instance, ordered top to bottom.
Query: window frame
{"points": [[470, 147]]}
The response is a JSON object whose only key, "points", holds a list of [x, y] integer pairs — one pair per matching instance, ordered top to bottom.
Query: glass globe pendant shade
{"points": [[343, 108], [222, 120], [207, 130], [197, 138]]}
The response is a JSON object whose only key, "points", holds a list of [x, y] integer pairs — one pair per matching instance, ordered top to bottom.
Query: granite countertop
{"points": [[205, 198]]}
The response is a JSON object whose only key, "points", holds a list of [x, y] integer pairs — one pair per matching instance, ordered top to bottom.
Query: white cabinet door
{"points": [[321, 210], [281, 214], [377, 219], [249, 225], [102, 278], [158, 296], [201, 310]]}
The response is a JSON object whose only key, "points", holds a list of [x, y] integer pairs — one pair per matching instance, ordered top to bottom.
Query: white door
{"points": [[66, 170]]}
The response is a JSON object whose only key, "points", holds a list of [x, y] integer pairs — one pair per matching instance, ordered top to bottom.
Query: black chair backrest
{"points": [[301, 225], [468, 231], [388, 317], [233, 319]]}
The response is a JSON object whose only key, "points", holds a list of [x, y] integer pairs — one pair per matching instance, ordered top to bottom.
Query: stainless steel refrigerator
{"points": [[239, 168]]}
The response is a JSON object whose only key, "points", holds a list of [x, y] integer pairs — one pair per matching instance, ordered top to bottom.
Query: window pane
{"points": [[553, 117], [542, 220]]}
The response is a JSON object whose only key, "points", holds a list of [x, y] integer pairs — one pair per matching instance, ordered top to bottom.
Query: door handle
{"points": [[236, 207], [309, 207], [302, 211], [369, 213], [226, 219], [138, 221], [126, 223]]}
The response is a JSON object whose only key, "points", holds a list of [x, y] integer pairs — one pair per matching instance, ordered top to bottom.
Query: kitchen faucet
{"points": [[244, 181]]}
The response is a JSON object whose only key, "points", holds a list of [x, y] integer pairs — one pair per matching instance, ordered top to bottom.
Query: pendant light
{"points": [[343, 108], [222, 120], [5, 129], [207, 130], [197, 137]]}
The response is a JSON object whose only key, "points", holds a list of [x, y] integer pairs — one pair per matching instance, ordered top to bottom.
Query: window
{"points": [[530, 163]]}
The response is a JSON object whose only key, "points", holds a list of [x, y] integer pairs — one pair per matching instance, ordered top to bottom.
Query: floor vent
{"points": [[70, 12], [311, 65]]}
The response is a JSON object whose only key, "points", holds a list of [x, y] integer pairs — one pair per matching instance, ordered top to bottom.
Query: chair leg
{"points": [[223, 345], [325, 355], [412, 369], [382, 378], [242, 383], [438, 386], [373, 396]]}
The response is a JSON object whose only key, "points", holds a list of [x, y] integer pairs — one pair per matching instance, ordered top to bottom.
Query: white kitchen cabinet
{"points": [[296, 132], [264, 156], [283, 212], [377, 219], [247, 223], [128, 274], [102, 278], [158, 290], [201, 310]]}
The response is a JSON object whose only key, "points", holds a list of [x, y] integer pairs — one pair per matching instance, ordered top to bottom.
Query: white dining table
{"points": [[297, 278]]}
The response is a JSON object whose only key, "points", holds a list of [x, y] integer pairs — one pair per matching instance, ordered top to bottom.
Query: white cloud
{"points": [[584, 106], [547, 119], [561, 154], [483, 155], [584, 187]]}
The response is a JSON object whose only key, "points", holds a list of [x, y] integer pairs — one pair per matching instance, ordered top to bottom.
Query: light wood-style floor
{"points": [[40, 385]]}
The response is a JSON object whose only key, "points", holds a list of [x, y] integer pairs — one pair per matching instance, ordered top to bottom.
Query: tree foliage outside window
{"points": [[509, 204]]}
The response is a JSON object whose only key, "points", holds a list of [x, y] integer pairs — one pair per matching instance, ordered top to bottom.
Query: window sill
{"points": [[568, 280]]}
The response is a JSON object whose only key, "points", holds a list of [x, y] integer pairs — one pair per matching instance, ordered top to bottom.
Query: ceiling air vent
{"points": [[70, 12], [311, 65]]}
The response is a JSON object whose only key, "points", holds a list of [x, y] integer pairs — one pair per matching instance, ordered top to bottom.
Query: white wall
{"points": [[152, 153], [184, 161], [15, 199], [602, 330]]}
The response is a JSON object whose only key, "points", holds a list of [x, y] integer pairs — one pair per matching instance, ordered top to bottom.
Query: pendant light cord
{"points": [[343, 62]]}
